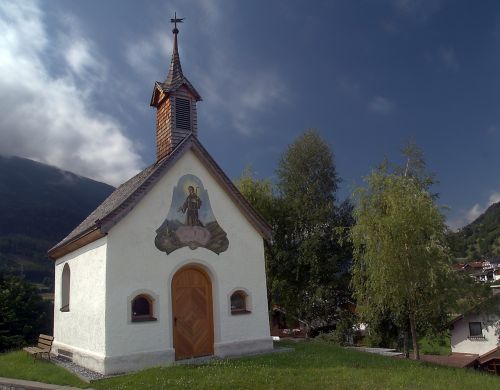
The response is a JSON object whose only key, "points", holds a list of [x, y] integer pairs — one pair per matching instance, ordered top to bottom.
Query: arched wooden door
{"points": [[192, 313]]}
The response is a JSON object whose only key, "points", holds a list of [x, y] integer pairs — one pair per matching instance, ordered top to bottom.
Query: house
{"points": [[171, 265], [476, 265], [459, 266], [483, 270], [482, 276], [285, 325], [475, 334]]}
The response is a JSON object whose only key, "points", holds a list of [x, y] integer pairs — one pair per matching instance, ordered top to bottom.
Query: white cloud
{"points": [[421, 10], [79, 53], [140, 54], [448, 57], [79, 58], [350, 87], [241, 95], [234, 96], [257, 97], [381, 105], [48, 117], [493, 130], [494, 198], [474, 212], [467, 216]]}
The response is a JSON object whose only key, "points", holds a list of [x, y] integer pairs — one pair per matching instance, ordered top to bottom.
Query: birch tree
{"points": [[401, 261]]}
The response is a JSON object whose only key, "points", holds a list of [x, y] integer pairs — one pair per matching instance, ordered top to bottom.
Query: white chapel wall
{"points": [[134, 263], [81, 329]]}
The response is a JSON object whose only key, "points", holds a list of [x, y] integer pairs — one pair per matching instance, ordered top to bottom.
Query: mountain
{"points": [[40, 205], [481, 238]]}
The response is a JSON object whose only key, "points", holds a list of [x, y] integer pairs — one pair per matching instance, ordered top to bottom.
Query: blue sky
{"points": [[76, 78]]}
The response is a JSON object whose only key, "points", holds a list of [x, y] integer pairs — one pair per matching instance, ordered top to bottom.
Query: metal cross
{"points": [[176, 20]]}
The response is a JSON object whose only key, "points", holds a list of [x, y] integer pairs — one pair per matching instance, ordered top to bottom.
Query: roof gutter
{"points": [[77, 242]]}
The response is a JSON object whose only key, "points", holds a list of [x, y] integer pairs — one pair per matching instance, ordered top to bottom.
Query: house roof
{"points": [[125, 198], [458, 266], [474, 309], [455, 319], [492, 354], [456, 359]]}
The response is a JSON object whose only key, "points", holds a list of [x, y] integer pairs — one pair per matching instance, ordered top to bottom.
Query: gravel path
{"points": [[83, 373]]}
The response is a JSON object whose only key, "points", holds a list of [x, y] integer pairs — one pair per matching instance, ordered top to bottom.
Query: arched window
{"points": [[65, 287], [239, 304], [142, 308]]}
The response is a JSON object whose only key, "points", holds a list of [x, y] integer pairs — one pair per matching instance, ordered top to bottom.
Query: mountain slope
{"points": [[39, 205], [481, 238]]}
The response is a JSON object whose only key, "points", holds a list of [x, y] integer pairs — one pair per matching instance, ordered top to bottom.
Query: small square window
{"points": [[239, 302], [142, 309], [475, 329]]}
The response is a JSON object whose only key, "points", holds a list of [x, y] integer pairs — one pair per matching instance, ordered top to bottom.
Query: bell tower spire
{"points": [[175, 101]]}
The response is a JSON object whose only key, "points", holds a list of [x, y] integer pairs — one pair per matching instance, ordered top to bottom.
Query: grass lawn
{"points": [[20, 365], [313, 365]]}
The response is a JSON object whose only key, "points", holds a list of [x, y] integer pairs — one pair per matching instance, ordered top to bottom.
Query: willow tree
{"points": [[401, 261]]}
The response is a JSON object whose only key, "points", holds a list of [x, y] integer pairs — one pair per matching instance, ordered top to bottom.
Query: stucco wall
{"points": [[135, 264], [82, 328], [460, 341]]}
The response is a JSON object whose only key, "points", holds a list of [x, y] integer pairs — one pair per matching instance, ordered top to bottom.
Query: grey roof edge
{"points": [[173, 88], [162, 166], [128, 204], [101, 219], [104, 221], [266, 229], [68, 240]]}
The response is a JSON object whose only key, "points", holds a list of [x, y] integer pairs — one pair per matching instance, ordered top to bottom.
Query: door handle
{"points": [[175, 321]]}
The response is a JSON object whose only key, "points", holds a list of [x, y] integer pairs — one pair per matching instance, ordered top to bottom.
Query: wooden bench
{"points": [[44, 346]]}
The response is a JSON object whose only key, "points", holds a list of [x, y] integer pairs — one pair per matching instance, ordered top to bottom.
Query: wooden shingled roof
{"points": [[175, 78], [125, 197]]}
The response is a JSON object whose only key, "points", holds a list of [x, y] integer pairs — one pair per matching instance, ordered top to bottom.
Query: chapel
{"points": [[171, 265]]}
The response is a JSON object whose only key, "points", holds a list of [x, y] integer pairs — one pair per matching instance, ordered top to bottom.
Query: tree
{"points": [[259, 192], [401, 260], [306, 264], [307, 269], [23, 314]]}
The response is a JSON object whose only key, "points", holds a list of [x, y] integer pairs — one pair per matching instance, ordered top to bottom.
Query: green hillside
{"points": [[40, 205], [481, 238]]}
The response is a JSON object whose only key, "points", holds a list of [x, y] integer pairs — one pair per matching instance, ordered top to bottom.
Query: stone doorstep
{"points": [[9, 383]]}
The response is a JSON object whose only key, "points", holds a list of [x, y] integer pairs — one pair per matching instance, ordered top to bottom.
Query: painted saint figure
{"points": [[192, 204], [187, 224]]}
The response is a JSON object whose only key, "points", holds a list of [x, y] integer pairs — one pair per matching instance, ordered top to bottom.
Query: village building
{"points": [[171, 265], [486, 270], [475, 337]]}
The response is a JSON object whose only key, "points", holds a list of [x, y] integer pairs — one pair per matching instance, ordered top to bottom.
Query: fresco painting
{"points": [[190, 220]]}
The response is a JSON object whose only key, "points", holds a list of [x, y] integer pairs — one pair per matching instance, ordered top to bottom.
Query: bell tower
{"points": [[175, 101]]}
